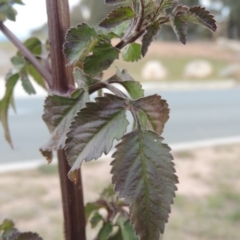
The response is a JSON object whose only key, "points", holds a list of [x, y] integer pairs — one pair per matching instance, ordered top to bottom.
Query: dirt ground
{"points": [[206, 207]]}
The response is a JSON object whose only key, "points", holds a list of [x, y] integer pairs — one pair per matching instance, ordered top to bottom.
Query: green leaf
{"points": [[114, 1], [18, 2], [165, 4], [7, 12], [199, 15], [117, 16], [121, 29], [151, 32], [79, 40], [34, 45], [132, 52], [101, 59], [18, 62], [37, 77], [82, 79], [26, 83], [133, 88], [4, 105], [156, 111], [58, 114], [94, 129], [143, 174], [90, 208], [96, 218], [6, 224], [105, 231], [127, 231], [117, 236]]}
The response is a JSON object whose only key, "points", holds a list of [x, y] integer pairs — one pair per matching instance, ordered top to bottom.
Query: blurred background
{"points": [[201, 83]]}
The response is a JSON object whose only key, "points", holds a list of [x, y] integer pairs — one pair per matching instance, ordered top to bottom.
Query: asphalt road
{"points": [[195, 115]]}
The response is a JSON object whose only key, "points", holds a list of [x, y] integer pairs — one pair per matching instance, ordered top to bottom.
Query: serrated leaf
{"points": [[114, 1], [165, 4], [182, 15], [199, 15], [117, 16], [180, 28], [151, 32], [78, 40], [132, 52], [103, 56], [82, 79], [26, 83], [133, 87], [4, 105], [156, 111], [58, 114], [94, 129], [143, 174], [96, 218], [6, 224], [105, 231], [27, 236]]}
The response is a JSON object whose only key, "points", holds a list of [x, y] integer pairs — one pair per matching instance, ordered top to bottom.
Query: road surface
{"points": [[195, 115]]}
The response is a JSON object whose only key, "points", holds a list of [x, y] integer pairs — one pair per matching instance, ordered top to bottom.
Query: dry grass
{"points": [[206, 207]]}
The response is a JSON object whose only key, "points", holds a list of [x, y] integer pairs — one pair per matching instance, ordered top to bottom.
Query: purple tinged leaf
{"points": [[114, 1], [182, 15], [199, 15], [117, 16], [180, 28], [151, 32], [79, 40], [103, 56], [4, 105], [156, 111], [58, 114], [94, 129], [143, 174], [27, 236]]}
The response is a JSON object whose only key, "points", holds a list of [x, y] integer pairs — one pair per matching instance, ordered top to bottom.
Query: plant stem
{"points": [[26, 53], [63, 83]]}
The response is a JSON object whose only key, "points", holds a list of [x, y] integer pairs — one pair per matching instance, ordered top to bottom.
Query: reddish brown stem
{"points": [[26, 53], [63, 83]]}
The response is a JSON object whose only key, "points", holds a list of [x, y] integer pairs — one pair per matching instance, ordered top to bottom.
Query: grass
{"points": [[174, 65]]}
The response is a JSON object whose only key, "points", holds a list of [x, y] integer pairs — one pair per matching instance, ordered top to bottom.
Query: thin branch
{"points": [[140, 17], [27, 54], [115, 91]]}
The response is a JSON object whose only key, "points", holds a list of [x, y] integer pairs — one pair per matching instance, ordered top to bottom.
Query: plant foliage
{"points": [[143, 172], [9, 232]]}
